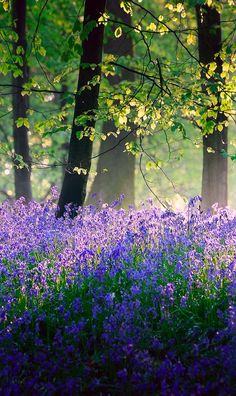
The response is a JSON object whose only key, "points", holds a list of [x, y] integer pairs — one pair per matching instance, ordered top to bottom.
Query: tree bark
{"points": [[86, 102], [20, 106], [65, 145], [215, 166], [119, 179]]}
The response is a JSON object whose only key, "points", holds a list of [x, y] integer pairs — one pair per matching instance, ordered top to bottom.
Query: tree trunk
{"points": [[86, 102], [20, 106], [65, 145], [215, 166], [119, 178]]}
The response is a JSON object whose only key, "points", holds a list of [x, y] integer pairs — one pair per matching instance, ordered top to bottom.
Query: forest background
{"points": [[159, 99]]}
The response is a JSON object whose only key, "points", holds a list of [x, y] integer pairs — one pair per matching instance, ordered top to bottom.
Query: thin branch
{"points": [[37, 26], [144, 75], [33, 90], [147, 184]]}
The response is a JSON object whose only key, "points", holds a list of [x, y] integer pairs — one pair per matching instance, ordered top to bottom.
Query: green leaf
{"points": [[126, 7], [77, 26], [88, 28], [118, 32], [78, 49], [20, 50], [42, 51], [17, 73], [82, 119], [22, 122], [177, 126], [53, 131], [79, 135]]}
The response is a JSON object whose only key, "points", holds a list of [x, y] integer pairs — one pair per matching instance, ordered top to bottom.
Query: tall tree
{"points": [[86, 103], [65, 145], [22, 161], [120, 165], [215, 166]]}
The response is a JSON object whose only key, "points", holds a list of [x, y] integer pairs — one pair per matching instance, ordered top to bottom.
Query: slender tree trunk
{"points": [[86, 102], [20, 106], [65, 145], [215, 166], [119, 178]]}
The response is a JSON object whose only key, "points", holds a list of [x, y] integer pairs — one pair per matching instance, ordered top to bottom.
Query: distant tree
{"points": [[86, 103], [22, 161], [120, 165], [215, 167]]}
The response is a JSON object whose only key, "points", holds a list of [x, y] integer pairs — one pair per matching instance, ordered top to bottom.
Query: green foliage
{"points": [[88, 28], [163, 102], [22, 122]]}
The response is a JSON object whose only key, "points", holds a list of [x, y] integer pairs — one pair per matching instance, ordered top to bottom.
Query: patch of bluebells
{"points": [[114, 302]]}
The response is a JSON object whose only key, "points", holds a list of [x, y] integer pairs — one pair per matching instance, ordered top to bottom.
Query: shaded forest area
{"points": [[121, 97]]}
